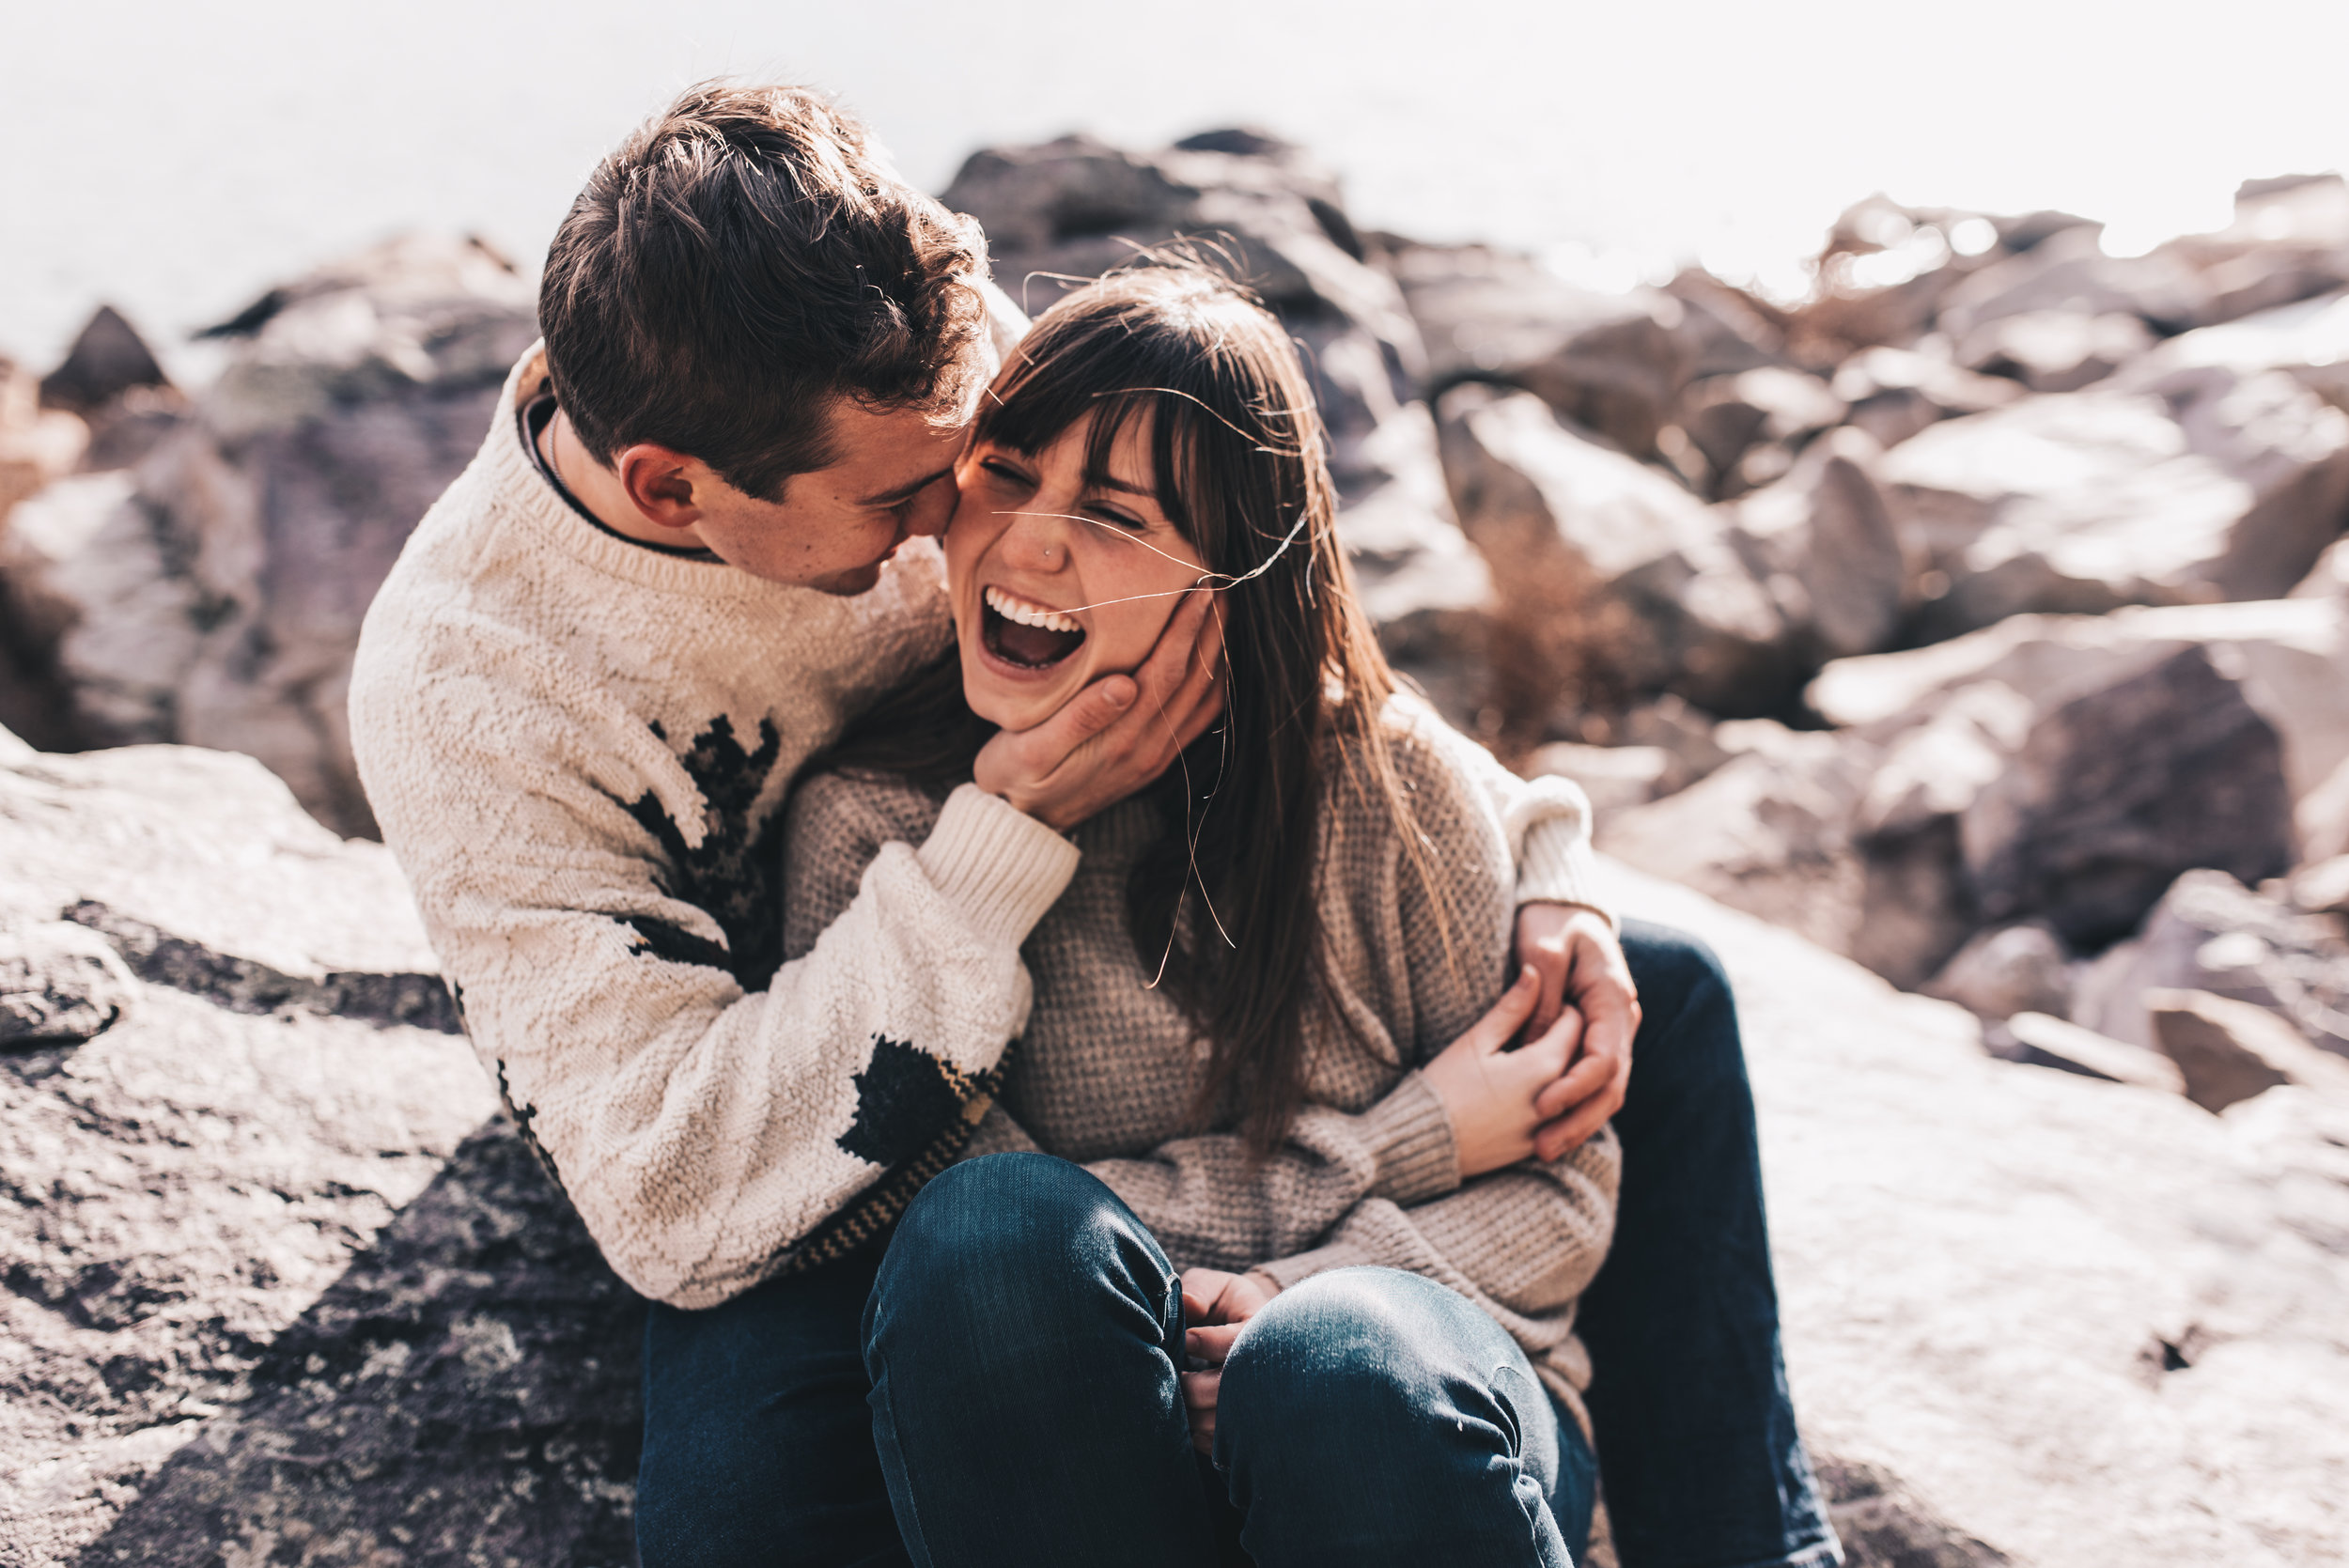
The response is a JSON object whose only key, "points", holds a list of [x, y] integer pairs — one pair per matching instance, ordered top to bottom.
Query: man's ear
{"points": [[662, 483]]}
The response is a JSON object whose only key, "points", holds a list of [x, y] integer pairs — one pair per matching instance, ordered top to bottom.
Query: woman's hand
{"points": [[1583, 970], [1492, 1096], [1215, 1304]]}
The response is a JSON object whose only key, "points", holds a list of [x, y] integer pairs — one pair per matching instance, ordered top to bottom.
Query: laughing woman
{"points": [[1261, 1092]]}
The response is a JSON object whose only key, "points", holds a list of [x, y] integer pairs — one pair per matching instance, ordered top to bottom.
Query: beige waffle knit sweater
{"points": [[579, 749], [1108, 1067]]}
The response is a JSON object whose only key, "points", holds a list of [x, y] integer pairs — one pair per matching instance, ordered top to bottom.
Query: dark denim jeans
{"points": [[1018, 1354]]}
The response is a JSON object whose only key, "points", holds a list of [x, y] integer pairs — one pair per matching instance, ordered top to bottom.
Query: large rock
{"points": [[1076, 206], [2288, 241], [2070, 273], [2308, 341], [2054, 350], [108, 358], [1613, 363], [1895, 393], [1749, 426], [2204, 485], [1826, 540], [1612, 578], [220, 604], [2290, 658], [2115, 792], [1777, 832], [2212, 934], [2229, 1052], [282, 1286], [2077, 1322]]}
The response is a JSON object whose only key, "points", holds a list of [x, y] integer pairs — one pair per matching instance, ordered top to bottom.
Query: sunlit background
{"points": [[175, 159]]}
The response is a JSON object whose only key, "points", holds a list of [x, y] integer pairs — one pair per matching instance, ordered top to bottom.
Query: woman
{"points": [[1266, 1044]]}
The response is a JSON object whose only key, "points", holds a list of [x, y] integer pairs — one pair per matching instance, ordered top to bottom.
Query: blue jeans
{"points": [[760, 1445]]}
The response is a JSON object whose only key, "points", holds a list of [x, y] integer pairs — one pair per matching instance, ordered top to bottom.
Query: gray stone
{"points": [[2288, 241], [2069, 272], [2308, 341], [2054, 350], [108, 358], [1613, 363], [1893, 393], [1727, 417], [2204, 486], [1826, 540], [1614, 580], [215, 596], [2290, 658], [2116, 792], [2211, 933], [2008, 969], [59, 982], [2044, 1040], [2229, 1050], [281, 1285], [2079, 1323]]}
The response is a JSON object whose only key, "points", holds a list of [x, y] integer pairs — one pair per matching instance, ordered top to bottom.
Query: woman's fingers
{"points": [[1499, 1026], [1211, 1345], [1198, 1393]]}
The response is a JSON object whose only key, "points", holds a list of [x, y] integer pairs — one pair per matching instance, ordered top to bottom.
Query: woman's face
{"points": [[1059, 577]]}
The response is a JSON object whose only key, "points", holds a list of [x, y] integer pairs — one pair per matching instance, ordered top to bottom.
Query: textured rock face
{"points": [[2204, 486], [1616, 579], [213, 594], [280, 1287], [283, 1288], [2069, 1322]]}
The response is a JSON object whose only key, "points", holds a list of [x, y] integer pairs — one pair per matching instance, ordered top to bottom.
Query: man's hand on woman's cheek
{"points": [[1116, 735], [1580, 962]]}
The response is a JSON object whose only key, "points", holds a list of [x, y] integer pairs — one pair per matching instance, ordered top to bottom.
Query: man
{"points": [[669, 578]]}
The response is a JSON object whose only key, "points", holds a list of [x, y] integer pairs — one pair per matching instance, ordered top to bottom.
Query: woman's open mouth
{"points": [[1025, 635]]}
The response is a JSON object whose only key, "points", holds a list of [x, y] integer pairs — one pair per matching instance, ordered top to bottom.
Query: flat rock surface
{"points": [[282, 1288]]}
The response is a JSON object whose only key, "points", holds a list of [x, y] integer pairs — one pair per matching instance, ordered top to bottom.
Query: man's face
{"points": [[833, 528]]}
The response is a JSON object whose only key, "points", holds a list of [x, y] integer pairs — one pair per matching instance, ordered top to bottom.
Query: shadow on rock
{"points": [[465, 1393], [1883, 1525]]}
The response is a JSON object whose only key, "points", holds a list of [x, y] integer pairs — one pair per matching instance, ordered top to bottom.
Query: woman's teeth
{"points": [[1025, 614]]}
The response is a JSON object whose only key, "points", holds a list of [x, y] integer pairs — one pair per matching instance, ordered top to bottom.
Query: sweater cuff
{"points": [[1556, 865], [1002, 866], [1412, 1138], [1304, 1265]]}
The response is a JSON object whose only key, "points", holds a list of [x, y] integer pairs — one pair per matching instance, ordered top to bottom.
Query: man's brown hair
{"points": [[744, 259]]}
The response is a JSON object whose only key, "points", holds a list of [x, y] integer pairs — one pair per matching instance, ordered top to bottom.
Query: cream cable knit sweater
{"points": [[579, 749], [1108, 1067]]}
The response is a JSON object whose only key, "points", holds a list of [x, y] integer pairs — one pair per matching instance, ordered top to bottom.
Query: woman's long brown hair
{"points": [[1228, 904]]}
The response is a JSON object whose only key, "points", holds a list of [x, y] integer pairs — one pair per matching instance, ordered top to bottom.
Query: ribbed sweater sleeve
{"points": [[1546, 822]]}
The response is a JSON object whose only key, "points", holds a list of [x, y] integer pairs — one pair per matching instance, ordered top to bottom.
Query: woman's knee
{"points": [[1013, 1233], [1358, 1355]]}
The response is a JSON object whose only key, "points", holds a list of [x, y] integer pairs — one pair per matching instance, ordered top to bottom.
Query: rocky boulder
{"points": [[2071, 273], [2308, 341], [2054, 350], [1893, 394], [2202, 485], [1827, 541], [1612, 577], [213, 595], [2210, 932], [281, 1285], [2032, 1317]]}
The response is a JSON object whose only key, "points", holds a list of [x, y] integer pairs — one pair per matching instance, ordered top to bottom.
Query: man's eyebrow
{"points": [[907, 491]]}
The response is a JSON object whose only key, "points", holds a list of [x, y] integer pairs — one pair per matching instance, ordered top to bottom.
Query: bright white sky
{"points": [[175, 158]]}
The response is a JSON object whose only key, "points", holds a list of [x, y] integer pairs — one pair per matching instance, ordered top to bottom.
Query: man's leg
{"points": [[1022, 1340], [1369, 1417], [1696, 1434], [758, 1443]]}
